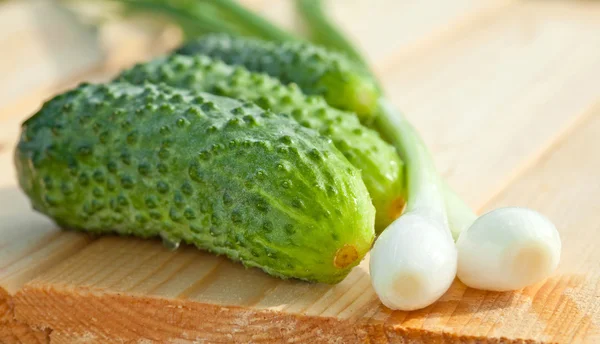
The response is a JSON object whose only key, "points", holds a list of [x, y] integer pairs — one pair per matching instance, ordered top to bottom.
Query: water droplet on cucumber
{"points": [[168, 242]]}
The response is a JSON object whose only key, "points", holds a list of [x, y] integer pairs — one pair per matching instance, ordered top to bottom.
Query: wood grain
{"points": [[401, 26], [44, 47], [502, 92], [489, 101], [564, 185], [29, 246], [15, 333]]}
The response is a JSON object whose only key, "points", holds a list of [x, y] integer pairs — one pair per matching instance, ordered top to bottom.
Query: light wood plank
{"points": [[400, 27], [41, 47], [113, 47], [489, 101], [564, 185], [29, 245]]}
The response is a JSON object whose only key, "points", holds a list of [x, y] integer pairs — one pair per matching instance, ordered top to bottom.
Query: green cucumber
{"points": [[317, 71], [380, 165], [215, 172]]}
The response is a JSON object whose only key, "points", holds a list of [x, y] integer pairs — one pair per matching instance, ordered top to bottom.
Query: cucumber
{"points": [[317, 71], [380, 165], [215, 172]]}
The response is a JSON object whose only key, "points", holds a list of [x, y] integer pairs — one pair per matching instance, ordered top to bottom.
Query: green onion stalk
{"points": [[199, 17], [504, 249]]}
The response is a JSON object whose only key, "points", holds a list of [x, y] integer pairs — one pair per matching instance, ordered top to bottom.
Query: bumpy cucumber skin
{"points": [[316, 70], [380, 165], [211, 171]]}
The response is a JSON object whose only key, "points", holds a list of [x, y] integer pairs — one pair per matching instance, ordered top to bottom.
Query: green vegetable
{"points": [[198, 17], [194, 18], [251, 21], [322, 31], [325, 32], [315, 70], [379, 163], [215, 172], [413, 262]]}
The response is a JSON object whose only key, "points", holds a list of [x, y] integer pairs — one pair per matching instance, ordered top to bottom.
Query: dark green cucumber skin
{"points": [[316, 70], [381, 167], [215, 172]]}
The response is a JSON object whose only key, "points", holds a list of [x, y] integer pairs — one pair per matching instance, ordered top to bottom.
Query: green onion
{"points": [[193, 18], [252, 21], [323, 32], [505, 249], [413, 262]]}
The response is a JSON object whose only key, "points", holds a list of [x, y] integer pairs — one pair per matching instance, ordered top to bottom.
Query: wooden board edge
{"points": [[6, 309], [80, 314], [13, 331], [20, 333]]}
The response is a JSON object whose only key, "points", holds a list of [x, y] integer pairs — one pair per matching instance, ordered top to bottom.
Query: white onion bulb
{"points": [[508, 249], [412, 263]]}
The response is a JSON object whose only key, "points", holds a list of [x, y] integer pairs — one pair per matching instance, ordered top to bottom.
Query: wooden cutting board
{"points": [[505, 93]]}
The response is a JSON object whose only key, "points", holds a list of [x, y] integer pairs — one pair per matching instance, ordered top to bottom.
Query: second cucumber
{"points": [[381, 167]]}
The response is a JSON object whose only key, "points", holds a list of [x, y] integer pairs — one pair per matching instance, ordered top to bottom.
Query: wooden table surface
{"points": [[505, 93]]}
